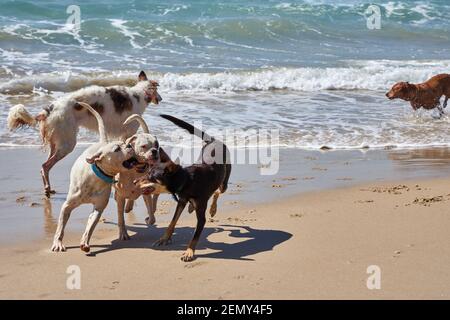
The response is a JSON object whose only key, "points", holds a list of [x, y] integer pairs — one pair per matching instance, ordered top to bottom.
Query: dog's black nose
{"points": [[154, 152]]}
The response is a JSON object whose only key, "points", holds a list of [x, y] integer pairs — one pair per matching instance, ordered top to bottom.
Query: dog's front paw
{"points": [[150, 220], [123, 235], [162, 242], [58, 246], [85, 247], [188, 255]]}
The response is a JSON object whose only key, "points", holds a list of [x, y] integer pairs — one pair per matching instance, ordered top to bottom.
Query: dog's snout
{"points": [[154, 152]]}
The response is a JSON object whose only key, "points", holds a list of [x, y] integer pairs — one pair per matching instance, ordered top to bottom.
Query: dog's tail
{"points": [[19, 117], [138, 118], [101, 124], [189, 127]]}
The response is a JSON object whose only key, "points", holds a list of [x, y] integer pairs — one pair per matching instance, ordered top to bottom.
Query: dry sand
{"points": [[312, 245]]}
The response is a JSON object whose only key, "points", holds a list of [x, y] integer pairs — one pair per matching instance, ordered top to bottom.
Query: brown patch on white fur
{"points": [[121, 100], [96, 106]]}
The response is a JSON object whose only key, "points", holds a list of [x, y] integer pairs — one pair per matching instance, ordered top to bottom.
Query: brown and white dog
{"points": [[425, 95], [59, 122]]}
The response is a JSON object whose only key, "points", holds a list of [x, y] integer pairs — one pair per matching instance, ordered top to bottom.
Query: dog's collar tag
{"points": [[100, 174]]}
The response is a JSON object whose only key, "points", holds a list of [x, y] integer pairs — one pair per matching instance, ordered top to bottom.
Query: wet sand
{"points": [[319, 223]]}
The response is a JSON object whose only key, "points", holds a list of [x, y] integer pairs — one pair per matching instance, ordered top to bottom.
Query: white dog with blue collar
{"points": [[91, 180]]}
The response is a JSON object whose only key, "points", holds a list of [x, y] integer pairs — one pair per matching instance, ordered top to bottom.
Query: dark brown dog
{"points": [[423, 95], [194, 184]]}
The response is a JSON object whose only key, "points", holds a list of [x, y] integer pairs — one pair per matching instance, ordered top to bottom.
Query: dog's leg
{"points": [[445, 102], [441, 111], [55, 155], [46, 166], [155, 202], [129, 206], [191, 207], [213, 207], [200, 211], [64, 216], [93, 219], [150, 220], [123, 235], [165, 239]]}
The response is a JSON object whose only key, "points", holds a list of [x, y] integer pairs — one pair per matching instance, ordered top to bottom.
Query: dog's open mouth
{"points": [[130, 163], [141, 167], [147, 190]]}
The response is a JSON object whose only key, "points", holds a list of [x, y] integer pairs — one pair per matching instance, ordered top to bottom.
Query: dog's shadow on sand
{"points": [[250, 241]]}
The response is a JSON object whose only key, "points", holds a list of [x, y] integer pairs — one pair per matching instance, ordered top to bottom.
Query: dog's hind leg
{"points": [[441, 111], [56, 154], [155, 198], [129, 206], [213, 207], [200, 211], [64, 216], [93, 219], [150, 220], [123, 235], [165, 239]]}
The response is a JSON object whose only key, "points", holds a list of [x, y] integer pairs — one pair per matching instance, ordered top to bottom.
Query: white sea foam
{"points": [[127, 32], [357, 75]]}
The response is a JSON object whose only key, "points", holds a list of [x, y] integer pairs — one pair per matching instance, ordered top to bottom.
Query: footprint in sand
{"points": [[275, 185], [391, 190], [364, 201], [428, 201], [397, 254], [194, 264]]}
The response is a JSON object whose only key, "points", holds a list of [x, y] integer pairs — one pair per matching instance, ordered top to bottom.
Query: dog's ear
{"points": [[142, 76], [154, 95], [131, 139], [163, 156], [96, 157], [170, 167]]}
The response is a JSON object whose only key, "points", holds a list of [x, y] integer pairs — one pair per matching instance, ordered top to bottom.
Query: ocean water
{"points": [[311, 69]]}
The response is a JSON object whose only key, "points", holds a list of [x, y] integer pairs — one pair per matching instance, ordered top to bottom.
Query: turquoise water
{"points": [[310, 68]]}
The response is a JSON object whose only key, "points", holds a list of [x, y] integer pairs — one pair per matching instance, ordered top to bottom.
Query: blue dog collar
{"points": [[100, 174]]}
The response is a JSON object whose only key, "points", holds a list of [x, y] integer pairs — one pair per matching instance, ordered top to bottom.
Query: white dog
{"points": [[59, 122], [146, 149], [91, 179]]}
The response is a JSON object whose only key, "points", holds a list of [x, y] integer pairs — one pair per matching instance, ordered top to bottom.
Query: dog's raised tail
{"points": [[19, 117], [138, 118], [101, 124], [189, 127]]}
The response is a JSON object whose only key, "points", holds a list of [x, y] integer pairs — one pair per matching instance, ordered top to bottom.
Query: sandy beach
{"points": [[305, 240]]}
